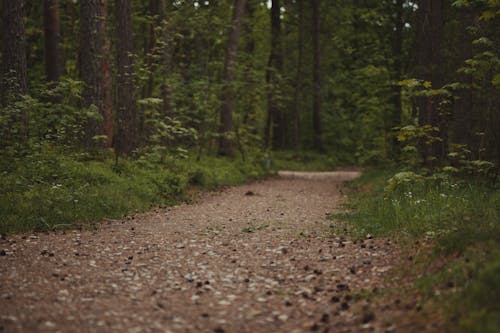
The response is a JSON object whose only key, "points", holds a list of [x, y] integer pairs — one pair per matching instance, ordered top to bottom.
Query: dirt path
{"points": [[255, 258]]}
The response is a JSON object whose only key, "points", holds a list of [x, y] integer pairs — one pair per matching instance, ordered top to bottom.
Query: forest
{"points": [[116, 107]]}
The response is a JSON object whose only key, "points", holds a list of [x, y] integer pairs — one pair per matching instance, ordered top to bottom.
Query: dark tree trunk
{"points": [[52, 38], [429, 45], [398, 55], [90, 66], [299, 75], [13, 81], [107, 81], [249, 113], [226, 115], [275, 121], [126, 132], [462, 132], [318, 140]]}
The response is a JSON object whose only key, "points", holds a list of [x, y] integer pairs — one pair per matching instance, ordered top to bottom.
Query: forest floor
{"points": [[256, 258]]}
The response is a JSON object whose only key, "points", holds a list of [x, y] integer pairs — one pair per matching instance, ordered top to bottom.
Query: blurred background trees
{"points": [[362, 81]]}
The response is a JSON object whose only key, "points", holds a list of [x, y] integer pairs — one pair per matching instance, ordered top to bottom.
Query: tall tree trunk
{"points": [[52, 38], [429, 44], [249, 49], [397, 52], [90, 66], [13, 73], [299, 75], [107, 82], [226, 115], [274, 122], [462, 132], [126, 134], [318, 140]]}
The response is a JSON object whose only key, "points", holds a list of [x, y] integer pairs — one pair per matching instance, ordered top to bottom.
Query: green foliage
{"points": [[303, 161], [48, 190], [460, 216]]}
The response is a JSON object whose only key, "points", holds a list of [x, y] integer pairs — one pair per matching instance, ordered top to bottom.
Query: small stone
{"points": [[3, 253], [342, 287], [335, 299], [368, 317], [219, 330]]}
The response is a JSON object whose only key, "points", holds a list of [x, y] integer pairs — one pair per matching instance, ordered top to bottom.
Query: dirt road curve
{"points": [[255, 258]]}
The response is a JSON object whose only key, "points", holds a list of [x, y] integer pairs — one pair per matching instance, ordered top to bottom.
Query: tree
{"points": [[52, 38], [429, 50], [397, 54], [90, 67], [13, 71], [299, 73], [107, 82], [126, 106], [226, 115], [275, 124], [317, 130]]}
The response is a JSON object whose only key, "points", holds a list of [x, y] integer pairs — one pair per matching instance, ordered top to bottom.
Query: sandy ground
{"points": [[256, 258]]}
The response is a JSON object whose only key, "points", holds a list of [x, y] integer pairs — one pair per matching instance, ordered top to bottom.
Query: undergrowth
{"points": [[302, 161], [50, 190], [459, 216]]}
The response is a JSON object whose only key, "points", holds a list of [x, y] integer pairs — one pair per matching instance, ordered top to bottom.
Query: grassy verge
{"points": [[49, 190], [460, 218]]}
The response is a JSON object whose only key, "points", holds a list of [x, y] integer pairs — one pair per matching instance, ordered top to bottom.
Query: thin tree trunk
{"points": [[52, 38], [429, 47], [397, 54], [90, 67], [13, 73], [299, 76], [107, 82], [226, 115], [274, 122], [126, 134], [318, 141]]}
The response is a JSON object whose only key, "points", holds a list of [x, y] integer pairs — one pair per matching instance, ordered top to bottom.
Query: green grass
{"points": [[49, 190], [460, 217]]}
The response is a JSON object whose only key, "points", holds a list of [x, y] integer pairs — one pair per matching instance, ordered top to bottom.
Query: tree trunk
{"points": [[52, 38], [429, 44], [397, 52], [90, 67], [299, 76], [13, 79], [107, 82], [226, 115], [274, 122], [462, 132], [126, 134], [318, 140]]}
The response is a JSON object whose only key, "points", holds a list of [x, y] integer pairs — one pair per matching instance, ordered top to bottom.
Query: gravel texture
{"points": [[256, 258]]}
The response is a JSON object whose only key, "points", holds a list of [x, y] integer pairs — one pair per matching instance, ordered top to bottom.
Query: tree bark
{"points": [[52, 39], [429, 45], [397, 52], [13, 67], [90, 67], [299, 75], [107, 81], [226, 115], [274, 122], [317, 129], [126, 134]]}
